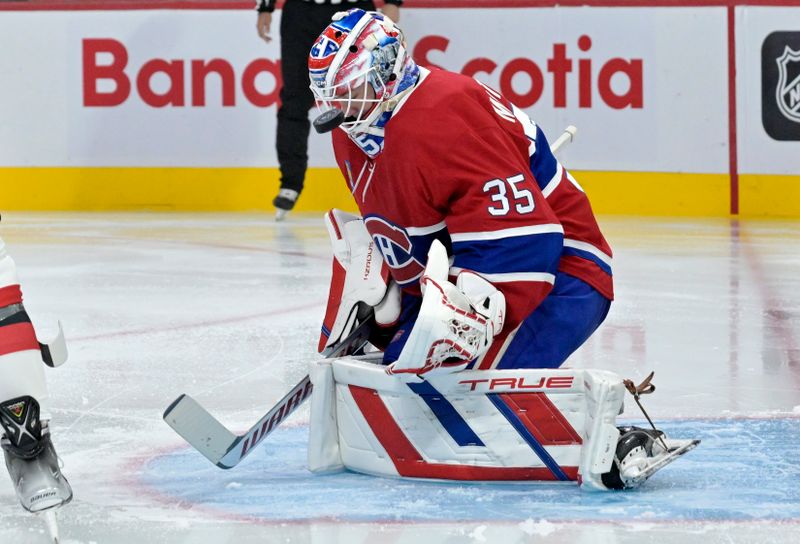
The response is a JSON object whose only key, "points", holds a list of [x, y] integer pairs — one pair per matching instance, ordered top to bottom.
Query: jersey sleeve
{"points": [[500, 225], [586, 254]]}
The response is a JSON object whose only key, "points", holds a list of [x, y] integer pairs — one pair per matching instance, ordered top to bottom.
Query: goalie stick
{"points": [[567, 136], [225, 449]]}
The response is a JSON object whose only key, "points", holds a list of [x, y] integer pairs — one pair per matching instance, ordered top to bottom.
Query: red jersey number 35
{"points": [[498, 190]]}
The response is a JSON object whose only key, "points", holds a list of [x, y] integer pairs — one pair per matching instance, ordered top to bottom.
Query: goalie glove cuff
{"points": [[484, 298], [387, 311]]}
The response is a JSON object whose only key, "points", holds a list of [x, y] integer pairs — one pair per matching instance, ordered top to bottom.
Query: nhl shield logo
{"points": [[780, 85], [787, 92]]}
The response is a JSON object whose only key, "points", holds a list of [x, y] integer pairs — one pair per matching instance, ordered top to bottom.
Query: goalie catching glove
{"points": [[456, 324]]}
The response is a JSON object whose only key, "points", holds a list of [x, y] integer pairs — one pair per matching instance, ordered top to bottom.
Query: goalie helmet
{"points": [[360, 65]]}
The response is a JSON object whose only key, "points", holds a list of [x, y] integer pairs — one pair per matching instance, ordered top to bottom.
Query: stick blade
{"points": [[200, 429]]}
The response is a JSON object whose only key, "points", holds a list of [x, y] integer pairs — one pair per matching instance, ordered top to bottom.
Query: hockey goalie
{"points": [[480, 266], [431, 414]]}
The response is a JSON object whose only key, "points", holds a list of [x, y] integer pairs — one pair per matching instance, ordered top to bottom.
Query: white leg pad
{"points": [[604, 393], [524, 424], [323, 439]]}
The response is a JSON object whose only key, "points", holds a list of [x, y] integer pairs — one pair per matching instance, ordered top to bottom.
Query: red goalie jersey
{"points": [[463, 165]]}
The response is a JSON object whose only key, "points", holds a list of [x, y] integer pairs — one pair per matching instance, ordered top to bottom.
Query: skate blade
{"points": [[280, 214], [673, 454], [50, 520]]}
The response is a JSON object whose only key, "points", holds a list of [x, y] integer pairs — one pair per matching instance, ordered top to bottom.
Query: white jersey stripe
{"points": [[528, 126], [554, 182], [575, 182], [548, 228], [424, 231], [589, 248], [509, 276]]}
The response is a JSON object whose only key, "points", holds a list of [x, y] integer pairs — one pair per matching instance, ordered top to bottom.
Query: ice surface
{"points": [[228, 308], [725, 479]]}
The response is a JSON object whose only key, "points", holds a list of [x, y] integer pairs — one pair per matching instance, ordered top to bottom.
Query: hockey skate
{"points": [[284, 202], [640, 454], [31, 458]]}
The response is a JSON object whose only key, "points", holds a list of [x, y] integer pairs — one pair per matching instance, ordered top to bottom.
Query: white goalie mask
{"points": [[360, 65]]}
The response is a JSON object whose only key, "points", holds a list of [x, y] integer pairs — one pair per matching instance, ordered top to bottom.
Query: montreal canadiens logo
{"points": [[324, 47], [323, 52], [788, 90], [396, 248]]}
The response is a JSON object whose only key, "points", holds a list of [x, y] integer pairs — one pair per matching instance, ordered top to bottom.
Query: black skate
{"points": [[284, 202], [640, 453], [31, 458]]}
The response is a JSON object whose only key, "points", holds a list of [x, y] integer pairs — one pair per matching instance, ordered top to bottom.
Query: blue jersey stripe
{"points": [[543, 163], [421, 244], [532, 253], [451, 420], [535, 445]]}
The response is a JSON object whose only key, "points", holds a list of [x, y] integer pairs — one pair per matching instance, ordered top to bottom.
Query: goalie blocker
{"points": [[500, 425]]}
